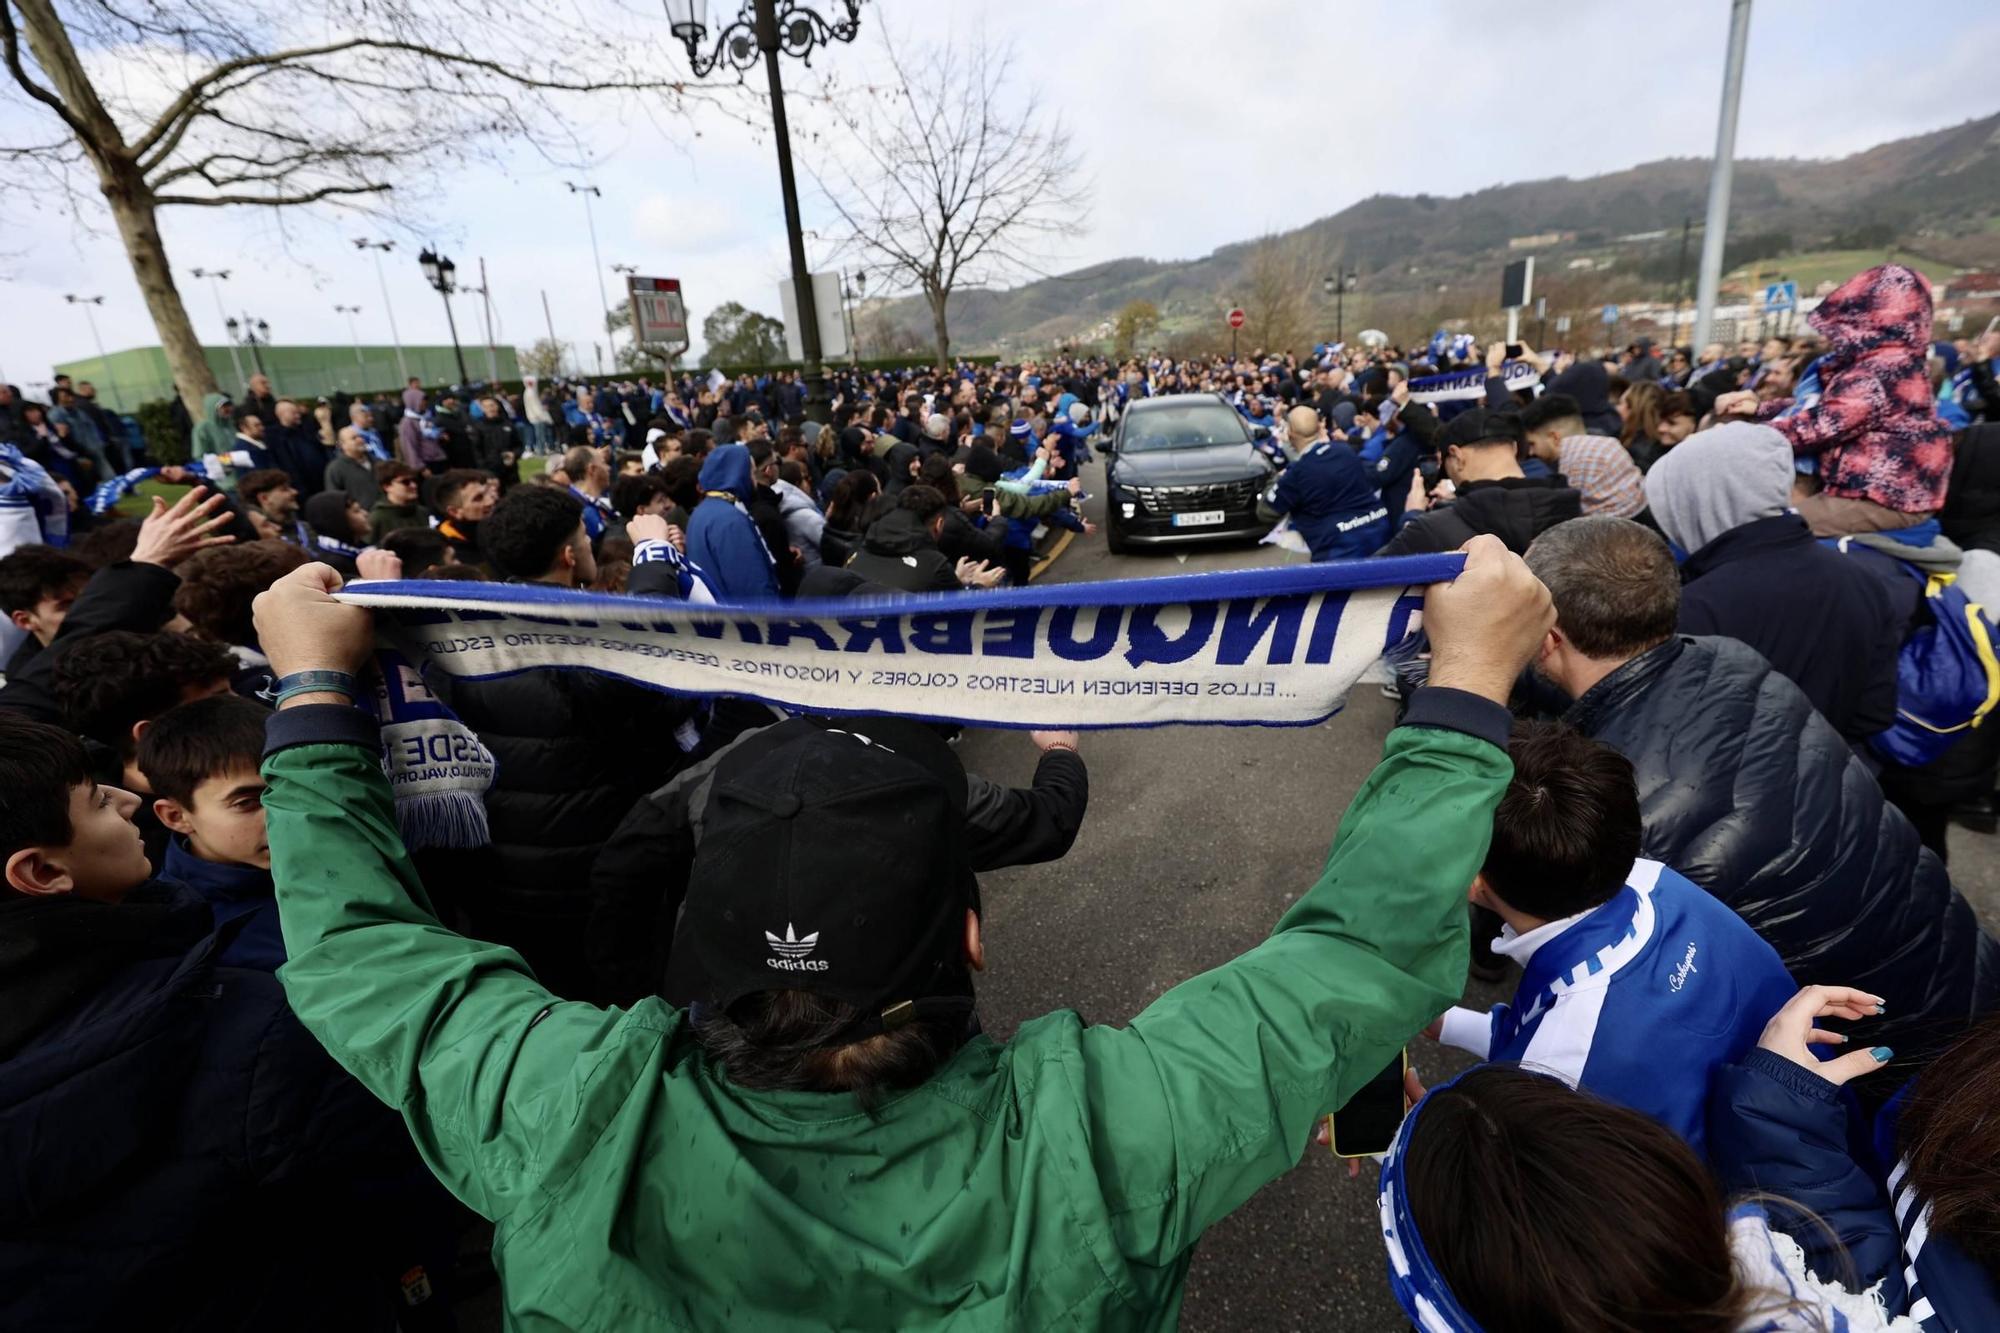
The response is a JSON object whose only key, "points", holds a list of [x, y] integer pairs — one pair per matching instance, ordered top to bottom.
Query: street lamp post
{"points": [[770, 27], [590, 220], [382, 248], [625, 271], [442, 275], [216, 277], [1337, 285], [850, 292], [351, 311], [254, 333], [110, 376]]}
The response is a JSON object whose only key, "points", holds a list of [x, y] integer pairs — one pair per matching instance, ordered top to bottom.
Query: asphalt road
{"points": [[1197, 840]]}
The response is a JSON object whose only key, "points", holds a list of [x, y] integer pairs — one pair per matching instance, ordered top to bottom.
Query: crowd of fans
{"points": [[264, 1067]]}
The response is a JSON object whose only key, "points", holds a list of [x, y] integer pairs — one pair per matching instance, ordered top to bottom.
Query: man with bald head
{"points": [[1326, 493]]}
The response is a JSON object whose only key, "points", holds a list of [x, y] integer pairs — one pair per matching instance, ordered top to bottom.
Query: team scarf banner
{"points": [[1453, 392], [1263, 647]]}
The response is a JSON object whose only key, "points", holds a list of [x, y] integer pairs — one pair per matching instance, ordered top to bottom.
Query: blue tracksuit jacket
{"points": [[1641, 1000]]}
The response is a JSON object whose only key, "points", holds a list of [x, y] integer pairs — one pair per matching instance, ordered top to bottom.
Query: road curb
{"points": [[1063, 539]]}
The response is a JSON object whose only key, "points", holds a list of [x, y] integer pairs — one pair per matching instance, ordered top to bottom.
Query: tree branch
{"points": [[10, 48], [195, 93], [268, 201]]}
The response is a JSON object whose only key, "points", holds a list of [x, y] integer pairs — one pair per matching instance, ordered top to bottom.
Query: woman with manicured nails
{"points": [[1513, 1203]]}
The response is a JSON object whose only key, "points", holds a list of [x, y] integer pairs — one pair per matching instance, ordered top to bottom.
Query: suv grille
{"points": [[1186, 499]]}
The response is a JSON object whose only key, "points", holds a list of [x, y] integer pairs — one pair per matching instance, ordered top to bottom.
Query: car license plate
{"points": [[1201, 518]]}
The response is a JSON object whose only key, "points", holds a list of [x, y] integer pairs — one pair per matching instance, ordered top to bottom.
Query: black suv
{"points": [[1184, 468]]}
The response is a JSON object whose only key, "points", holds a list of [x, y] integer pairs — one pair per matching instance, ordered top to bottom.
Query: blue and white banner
{"points": [[1452, 393], [1261, 647]]}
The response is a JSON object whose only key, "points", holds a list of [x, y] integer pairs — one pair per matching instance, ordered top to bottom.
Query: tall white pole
{"points": [[1719, 175], [597, 261], [215, 285], [486, 296], [402, 366], [110, 376]]}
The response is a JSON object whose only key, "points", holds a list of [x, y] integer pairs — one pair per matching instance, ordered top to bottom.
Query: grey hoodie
{"points": [[1720, 479]]}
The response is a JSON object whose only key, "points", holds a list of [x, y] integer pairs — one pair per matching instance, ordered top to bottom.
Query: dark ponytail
{"points": [[1547, 1210]]}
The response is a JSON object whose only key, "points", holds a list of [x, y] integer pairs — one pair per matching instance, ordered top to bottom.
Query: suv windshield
{"points": [[1181, 426]]}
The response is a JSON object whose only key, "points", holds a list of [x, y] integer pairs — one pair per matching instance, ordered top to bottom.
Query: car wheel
{"points": [[1114, 537]]}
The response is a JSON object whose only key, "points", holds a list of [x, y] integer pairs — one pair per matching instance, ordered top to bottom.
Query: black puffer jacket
{"points": [[1515, 509], [1971, 515], [572, 750], [1754, 796]]}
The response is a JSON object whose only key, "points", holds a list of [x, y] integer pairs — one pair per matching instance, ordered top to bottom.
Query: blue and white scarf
{"points": [[1451, 393], [376, 449], [106, 495], [33, 508], [694, 586], [1262, 647], [437, 767]]}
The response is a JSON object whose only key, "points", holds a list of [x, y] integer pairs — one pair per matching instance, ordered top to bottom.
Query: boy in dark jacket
{"points": [[1481, 455], [401, 504], [201, 761], [182, 1154]]}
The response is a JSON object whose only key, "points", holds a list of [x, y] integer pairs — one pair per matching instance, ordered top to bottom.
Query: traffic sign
{"points": [[1780, 297], [1611, 314], [659, 317], [1236, 319]]}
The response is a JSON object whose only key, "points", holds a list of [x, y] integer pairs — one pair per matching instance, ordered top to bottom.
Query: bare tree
{"points": [[194, 103], [946, 188], [1281, 276]]}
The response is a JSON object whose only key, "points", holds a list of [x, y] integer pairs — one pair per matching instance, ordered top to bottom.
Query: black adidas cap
{"points": [[832, 861]]}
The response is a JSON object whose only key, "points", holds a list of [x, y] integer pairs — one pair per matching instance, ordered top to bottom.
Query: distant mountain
{"points": [[1604, 238]]}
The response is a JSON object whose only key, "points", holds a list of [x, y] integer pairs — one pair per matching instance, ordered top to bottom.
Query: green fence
{"points": [[126, 379]]}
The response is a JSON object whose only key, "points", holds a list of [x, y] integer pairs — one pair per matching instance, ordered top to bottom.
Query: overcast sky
{"points": [[1198, 124]]}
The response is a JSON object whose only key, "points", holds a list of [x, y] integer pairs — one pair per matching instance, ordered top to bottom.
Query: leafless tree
{"points": [[196, 103], [941, 187], [1281, 277]]}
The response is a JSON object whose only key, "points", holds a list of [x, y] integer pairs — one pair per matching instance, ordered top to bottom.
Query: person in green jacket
{"points": [[215, 433], [831, 1142]]}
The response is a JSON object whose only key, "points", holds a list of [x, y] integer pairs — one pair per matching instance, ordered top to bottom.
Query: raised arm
{"points": [[484, 1064], [1213, 1090]]}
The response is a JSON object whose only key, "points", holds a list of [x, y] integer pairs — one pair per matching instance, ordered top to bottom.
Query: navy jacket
{"points": [[1333, 504], [723, 539], [1828, 621], [1748, 792], [243, 902], [1780, 1129], [182, 1154]]}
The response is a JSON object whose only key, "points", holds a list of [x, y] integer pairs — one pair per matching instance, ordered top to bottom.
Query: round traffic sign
{"points": [[1236, 319]]}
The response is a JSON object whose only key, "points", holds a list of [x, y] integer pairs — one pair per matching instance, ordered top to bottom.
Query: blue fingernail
{"points": [[1880, 1008], [1882, 1054]]}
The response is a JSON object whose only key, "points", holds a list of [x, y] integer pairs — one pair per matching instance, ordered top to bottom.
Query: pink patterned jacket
{"points": [[1875, 427]]}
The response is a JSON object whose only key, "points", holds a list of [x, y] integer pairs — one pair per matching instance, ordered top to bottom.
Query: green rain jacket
{"points": [[212, 434], [1058, 1181]]}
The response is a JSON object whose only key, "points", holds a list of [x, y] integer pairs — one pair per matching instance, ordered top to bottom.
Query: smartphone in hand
{"points": [[1367, 1125]]}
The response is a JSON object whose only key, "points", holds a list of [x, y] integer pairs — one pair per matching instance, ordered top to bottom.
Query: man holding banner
{"points": [[826, 1138]]}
